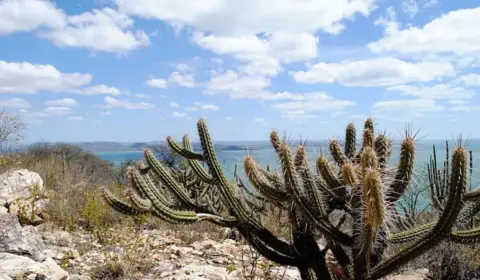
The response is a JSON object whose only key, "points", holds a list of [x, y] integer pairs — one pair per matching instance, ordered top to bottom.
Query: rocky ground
{"points": [[41, 251]]}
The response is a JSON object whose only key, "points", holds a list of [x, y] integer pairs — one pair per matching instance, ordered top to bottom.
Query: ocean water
{"points": [[229, 159]]}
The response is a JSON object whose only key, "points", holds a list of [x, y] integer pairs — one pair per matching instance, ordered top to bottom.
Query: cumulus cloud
{"points": [[28, 15], [252, 17], [103, 30], [449, 33], [382, 71], [28, 78], [184, 80], [158, 83], [440, 91], [65, 102], [111, 102], [14, 103], [173, 104], [202, 106], [58, 111], [179, 114]]}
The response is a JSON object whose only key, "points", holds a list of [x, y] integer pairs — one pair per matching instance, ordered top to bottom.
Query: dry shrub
{"points": [[72, 178]]}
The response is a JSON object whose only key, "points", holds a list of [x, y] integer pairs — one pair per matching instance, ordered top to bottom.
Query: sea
{"points": [[263, 156]]}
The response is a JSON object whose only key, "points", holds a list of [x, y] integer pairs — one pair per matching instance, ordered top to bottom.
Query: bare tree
{"points": [[11, 129]]}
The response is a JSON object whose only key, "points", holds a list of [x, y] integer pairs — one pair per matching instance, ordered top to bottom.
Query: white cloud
{"points": [[410, 7], [28, 15], [252, 17], [103, 30], [449, 33], [262, 56], [184, 67], [382, 71], [28, 78], [184, 80], [472, 80], [158, 83], [100, 89], [440, 91], [315, 101], [65, 102], [111, 102], [14, 103], [173, 104], [410, 105], [202, 106], [210, 107], [58, 111], [106, 113], [179, 114], [76, 118], [228, 118], [259, 120]]}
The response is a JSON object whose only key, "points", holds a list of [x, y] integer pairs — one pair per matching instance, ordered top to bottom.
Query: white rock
{"points": [[16, 184], [15, 240], [13, 265]]}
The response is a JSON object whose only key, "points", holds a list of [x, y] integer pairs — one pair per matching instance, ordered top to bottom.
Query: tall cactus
{"points": [[358, 184]]}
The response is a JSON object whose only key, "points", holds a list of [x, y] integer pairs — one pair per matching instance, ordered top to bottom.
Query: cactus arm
{"points": [[350, 141], [381, 149], [336, 150], [181, 151], [194, 164], [324, 168], [404, 171], [168, 180], [291, 181], [261, 183], [241, 185], [472, 195], [313, 198], [139, 202], [119, 205], [161, 209], [469, 212], [444, 225], [409, 235], [466, 236]]}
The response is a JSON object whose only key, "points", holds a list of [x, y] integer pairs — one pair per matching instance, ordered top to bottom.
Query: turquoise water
{"points": [[229, 159]]}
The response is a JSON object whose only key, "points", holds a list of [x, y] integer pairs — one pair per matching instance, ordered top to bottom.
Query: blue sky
{"points": [[122, 70]]}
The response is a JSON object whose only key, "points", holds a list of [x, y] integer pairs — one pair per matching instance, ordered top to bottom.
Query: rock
{"points": [[17, 185], [3, 210], [58, 238], [15, 240], [13, 265], [204, 272], [5, 277], [79, 277]]}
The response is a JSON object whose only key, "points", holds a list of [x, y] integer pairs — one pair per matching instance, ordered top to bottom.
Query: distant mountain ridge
{"points": [[110, 146]]}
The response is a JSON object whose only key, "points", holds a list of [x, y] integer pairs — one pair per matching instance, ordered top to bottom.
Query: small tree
{"points": [[11, 129]]}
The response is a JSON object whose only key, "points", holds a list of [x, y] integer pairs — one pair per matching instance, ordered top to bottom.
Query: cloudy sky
{"points": [[123, 70]]}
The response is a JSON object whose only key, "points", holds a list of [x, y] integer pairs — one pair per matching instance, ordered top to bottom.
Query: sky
{"points": [[134, 71]]}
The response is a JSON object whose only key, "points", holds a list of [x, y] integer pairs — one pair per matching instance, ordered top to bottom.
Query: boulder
{"points": [[17, 184], [15, 240], [13, 265]]}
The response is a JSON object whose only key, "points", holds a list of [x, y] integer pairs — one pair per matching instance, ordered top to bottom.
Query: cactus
{"points": [[359, 185]]}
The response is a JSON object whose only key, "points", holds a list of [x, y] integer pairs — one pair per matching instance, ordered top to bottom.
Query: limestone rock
{"points": [[17, 185], [15, 240], [13, 265]]}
